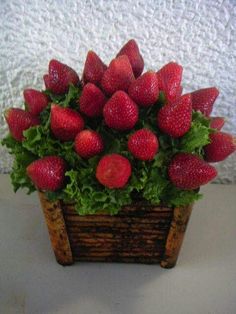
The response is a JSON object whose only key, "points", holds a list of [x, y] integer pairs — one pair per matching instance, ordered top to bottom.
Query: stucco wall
{"points": [[201, 35]]}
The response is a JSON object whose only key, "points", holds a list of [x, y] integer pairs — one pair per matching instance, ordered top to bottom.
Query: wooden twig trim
{"points": [[57, 230], [175, 236]]}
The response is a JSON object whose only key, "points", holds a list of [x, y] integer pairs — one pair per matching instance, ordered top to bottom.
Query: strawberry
{"points": [[131, 50], [94, 68], [118, 75], [60, 77], [169, 79], [46, 81], [144, 90], [179, 92], [35, 100], [92, 100], [203, 100], [120, 112], [175, 118], [18, 121], [65, 123], [217, 123], [88, 143], [143, 144], [221, 146], [113, 171], [189, 172], [47, 173]]}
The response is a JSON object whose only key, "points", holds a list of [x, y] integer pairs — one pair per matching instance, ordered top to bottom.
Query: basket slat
{"points": [[110, 259]]}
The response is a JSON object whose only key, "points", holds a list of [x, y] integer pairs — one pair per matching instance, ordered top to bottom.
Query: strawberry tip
{"points": [[7, 112], [234, 142]]}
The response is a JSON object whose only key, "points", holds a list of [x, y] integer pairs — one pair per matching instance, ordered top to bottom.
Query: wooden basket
{"points": [[140, 233]]}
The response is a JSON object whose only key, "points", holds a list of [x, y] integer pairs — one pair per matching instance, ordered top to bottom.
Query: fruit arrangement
{"points": [[116, 135]]}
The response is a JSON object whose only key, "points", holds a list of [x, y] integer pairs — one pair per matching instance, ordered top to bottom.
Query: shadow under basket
{"points": [[139, 233]]}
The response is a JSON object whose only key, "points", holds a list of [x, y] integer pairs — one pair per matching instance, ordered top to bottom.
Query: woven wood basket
{"points": [[140, 233]]}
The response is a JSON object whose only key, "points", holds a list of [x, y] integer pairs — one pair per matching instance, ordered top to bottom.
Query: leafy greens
{"points": [[149, 180]]}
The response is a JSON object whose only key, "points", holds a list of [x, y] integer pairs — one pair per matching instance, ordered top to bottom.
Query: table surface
{"points": [[203, 282]]}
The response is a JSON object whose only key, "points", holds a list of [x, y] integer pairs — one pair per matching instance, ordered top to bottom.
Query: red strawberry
{"points": [[131, 50], [94, 68], [118, 75], [60, 77], [169, 79], [46, 81], [144, 90], [179, 92], [35, 100], [92, 100], [203, 100], [120, 112], [175, 118], [18, 121], [65, 123], [217, 123], [88, 143], [143, 144], [221, 146], [113, 171], [189, 172], [47, 173]]}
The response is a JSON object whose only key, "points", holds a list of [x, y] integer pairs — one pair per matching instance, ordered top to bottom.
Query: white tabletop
{"points": [[203, 282]]}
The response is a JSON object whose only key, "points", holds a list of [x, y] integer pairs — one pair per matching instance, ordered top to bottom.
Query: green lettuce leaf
{"points": [[68, 100], [198, 136], [40, 142], [22, 159], [90, 197], [176, 197]]}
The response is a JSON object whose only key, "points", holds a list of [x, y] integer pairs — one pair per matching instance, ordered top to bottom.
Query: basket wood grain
{"points": [[140, 233]]}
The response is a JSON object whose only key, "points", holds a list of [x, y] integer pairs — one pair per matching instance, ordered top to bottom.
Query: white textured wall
{"points": [[201, 35]]}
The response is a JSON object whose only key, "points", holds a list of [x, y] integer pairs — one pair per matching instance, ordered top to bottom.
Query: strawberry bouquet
{"points": [[116, 135]]}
